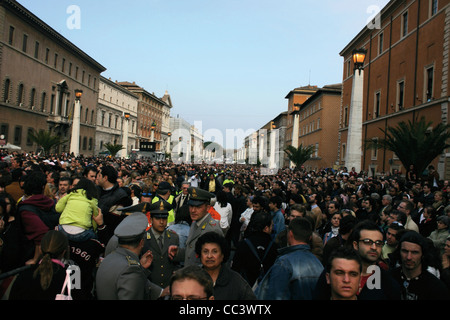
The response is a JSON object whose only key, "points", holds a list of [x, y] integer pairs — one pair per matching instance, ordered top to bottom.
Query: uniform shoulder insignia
{"points": [[212, 223], [132, 262]]}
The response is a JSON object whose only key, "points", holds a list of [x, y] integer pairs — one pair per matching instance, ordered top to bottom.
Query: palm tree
{"points": [[45, 140], [413, 142], [113, 148], [299, 155]]}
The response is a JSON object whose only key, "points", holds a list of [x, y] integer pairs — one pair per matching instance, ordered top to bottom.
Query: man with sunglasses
{"points": [[376, 281]]}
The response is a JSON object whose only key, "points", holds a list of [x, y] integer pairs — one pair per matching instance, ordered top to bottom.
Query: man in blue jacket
{"points": [[295, 272]]}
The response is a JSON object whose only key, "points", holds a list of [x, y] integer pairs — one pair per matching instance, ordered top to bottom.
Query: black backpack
{"points": [[50, 218], [253, 249]]}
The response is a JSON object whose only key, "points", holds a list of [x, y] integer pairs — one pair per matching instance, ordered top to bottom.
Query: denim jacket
{"points": [[293, 276]]}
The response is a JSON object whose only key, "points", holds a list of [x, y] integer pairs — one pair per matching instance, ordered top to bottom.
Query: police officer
{"points": [[202, 222], [158, 240], [122, 275]]}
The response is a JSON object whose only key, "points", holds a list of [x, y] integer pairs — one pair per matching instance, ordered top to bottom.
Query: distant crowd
{"points": [[293, 235]]}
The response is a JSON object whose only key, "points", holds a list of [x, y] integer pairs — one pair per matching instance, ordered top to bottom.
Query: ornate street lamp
{"points": [[358, 56], [78, 94], [74, 139]]}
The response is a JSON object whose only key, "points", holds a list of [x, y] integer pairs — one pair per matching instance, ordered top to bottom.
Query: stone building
{"points": [[40, 71], [116, 105]]}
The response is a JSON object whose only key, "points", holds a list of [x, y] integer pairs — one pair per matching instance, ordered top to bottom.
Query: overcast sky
{"points": [[227, 64]]}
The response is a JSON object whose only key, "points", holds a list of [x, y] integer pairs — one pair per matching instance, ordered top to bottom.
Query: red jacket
{"points": [[33, 227]]}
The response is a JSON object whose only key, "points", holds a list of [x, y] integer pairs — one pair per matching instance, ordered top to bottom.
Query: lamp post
{"points": [[125, 128], [296, 128], [152, 134], [169, 135], [75, 138], [354, 138], [274, 147]]}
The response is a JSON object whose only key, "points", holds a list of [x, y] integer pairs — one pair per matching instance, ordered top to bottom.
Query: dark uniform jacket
{"points": [[162, 267]]}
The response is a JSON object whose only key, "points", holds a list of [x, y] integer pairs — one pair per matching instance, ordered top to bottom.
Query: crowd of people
{"points": [[138, 229]]}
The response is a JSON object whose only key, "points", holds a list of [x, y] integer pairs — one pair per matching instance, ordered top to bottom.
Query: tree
{"points": [[45, 140], [413, 142], [113, 148], [299, 155]]}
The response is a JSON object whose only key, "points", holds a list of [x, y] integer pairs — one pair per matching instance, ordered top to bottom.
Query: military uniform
{"points": [[198, 197], [162, 267], [120, 275]]}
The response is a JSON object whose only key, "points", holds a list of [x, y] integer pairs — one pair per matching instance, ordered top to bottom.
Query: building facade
{"points": [[39, 73], [405, 77], [296, 98], [116, 106], [149, 114], [318, 125]]}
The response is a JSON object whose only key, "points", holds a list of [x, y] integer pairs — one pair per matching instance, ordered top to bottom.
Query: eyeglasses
{"points": [[146, 194], [370, 242], [178, 298]]}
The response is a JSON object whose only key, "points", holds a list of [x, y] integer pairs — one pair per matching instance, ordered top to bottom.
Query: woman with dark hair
{"points": [[79, 210], [214, 253], [43, 281]]}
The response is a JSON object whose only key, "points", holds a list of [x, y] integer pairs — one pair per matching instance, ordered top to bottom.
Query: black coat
{"points": [[231, 286]]}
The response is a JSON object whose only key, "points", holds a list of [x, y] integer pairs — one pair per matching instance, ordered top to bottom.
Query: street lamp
{"points": [[358, 56], [78, 94], [153, 127], [125, 129], [354, 137], [74, 139]]}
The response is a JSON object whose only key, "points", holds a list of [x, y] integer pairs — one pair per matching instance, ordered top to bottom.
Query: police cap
{"points": [[198, 196], [132, 227]]}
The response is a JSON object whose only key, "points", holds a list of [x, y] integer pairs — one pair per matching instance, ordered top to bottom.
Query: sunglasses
{"points": [[146, 194]]}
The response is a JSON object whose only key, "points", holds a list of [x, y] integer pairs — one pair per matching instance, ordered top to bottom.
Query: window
{"points": [[433, 7], [404, 24], [11, 35], [24, 43], [380, 43], [36, 50], [47, 54], [56, 60], [63, 65], [70, 69], [429, 81], [7, 89], [20, 94], [400, 95], [33, 97], [43, 98], [52, 103], [376, 111], [346, 117], [103, 118], [4, 128], [18, 135], [29, 141], [84, 143], [374, 150]]}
